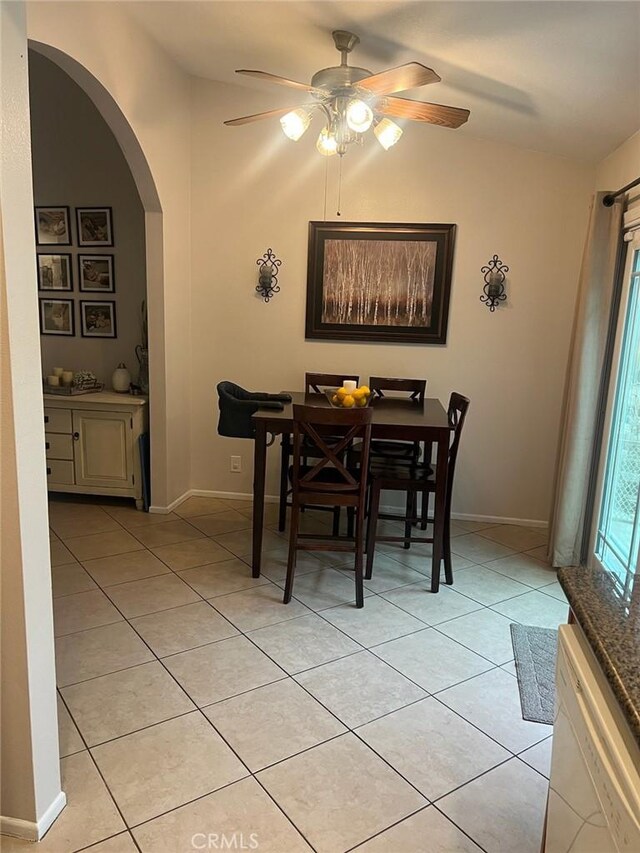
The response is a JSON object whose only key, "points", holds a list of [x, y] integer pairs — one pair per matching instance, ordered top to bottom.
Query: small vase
{"points": [[121, 379]]}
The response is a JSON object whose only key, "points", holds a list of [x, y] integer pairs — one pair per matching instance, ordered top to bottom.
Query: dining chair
{"points": [[314, 383], [414, 391], [415, 478], [328, 481]]}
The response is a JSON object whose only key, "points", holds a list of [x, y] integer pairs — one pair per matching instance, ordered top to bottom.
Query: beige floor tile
{"points": [[238, 503], [200, 506], [132, 518], [82, 522], [219, 523], [460, 525], [157, 535], [516, 536], [240, 543], [102, 545], [478, 549], [195, 552], [540, 553], [60, 554], [418, 557], [274, 565], [525, 569], [109, 571], [389, 574], [221, 578], [69, 579], [486, 586], [328, 588], [555, 590], [163, 592], [256, 608], [431, 608], [534, 608], [82, 611], [375, 623], [181, 628], [484, 632], [302, 643], [89, 654], [432, 660], [510, 667], [221, 670], [359, 688], [123, 702], [491, 702], [272, 723], [69, 738], [454, 752], [539, 756], [166, 766], [339, 793], [514, 796], [242, 811], [89, 816], [409, 836], [122, 843]]}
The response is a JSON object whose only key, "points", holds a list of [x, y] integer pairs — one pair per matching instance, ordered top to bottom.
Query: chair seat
{"points": [[393, 449], [386, 470]]}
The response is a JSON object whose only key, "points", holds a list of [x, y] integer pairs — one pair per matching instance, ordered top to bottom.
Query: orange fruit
{"points": [[365, 390], [341, 393], [358, 394], [361, 401], [348, 402]]}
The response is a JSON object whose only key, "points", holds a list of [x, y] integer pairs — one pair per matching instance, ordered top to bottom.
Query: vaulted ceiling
{"points": [[560, 77]]}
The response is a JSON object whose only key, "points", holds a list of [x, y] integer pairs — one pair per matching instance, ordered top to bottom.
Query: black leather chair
{"points": [[237, 406]]}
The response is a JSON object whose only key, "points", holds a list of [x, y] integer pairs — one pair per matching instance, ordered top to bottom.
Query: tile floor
{"points": [[197, 711]]}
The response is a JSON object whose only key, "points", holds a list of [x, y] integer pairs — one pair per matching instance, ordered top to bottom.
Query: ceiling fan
{"points": [[353, 99]]}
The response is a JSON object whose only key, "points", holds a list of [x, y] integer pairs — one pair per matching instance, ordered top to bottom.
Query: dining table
{"points": [[393, 418]]}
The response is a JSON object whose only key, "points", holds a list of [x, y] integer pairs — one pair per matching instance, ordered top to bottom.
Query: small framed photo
{"points": [[52, 226], [95, 227], [54, 272], [96, 273], [56, 317], [98, 319]]}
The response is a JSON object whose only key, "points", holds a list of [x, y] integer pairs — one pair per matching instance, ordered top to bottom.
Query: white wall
{"points": [[145, 98], [82, 165], [621, 167], [253, 189]]}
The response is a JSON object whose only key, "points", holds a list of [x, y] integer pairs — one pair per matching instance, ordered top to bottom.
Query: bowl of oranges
{"points": [[341, 398]]}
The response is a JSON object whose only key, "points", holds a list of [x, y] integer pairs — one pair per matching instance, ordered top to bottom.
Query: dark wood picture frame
{"points": [[98, 212], [45, 218], [46, 273], [88, 285], [88, 304], [343, 311], [67, 331]]}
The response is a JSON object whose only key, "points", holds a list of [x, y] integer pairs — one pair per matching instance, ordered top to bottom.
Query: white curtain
{"points": [[582, 384]]}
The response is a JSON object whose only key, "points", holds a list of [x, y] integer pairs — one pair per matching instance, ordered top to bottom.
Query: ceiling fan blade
{"points": [[399, 79], [282, 81], [421, 111], [268, 114]]}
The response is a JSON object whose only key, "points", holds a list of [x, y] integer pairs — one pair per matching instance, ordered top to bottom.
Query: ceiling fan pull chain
{"points": [[339, 187]]}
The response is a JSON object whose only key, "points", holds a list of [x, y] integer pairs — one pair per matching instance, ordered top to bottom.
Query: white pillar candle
{"points": [[58, 371], [67, 377], [53, 381], [349, 385]]}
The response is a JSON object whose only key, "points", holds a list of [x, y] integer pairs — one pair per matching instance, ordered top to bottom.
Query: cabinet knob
{"points": [[76, 436]]}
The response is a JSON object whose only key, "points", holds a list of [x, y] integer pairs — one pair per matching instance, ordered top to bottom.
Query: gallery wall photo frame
{"points": [[53, 225], [95, 226], [55, 272], [96, 274], [388, 282], [56, 317], [98, 319]]}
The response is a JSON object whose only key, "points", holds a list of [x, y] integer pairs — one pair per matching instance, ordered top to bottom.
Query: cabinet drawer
{"points": [[57, 420], [58, 446], [60, 471]]}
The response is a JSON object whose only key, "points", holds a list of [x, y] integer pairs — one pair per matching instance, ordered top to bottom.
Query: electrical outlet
{"points": [[236, 464]]}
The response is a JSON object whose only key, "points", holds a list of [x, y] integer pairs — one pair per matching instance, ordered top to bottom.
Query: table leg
{"points": [[259, 476], [439, 510]]}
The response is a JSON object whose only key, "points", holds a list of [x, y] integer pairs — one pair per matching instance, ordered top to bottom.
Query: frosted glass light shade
{"points": [[359, 116], [295, 123], [387, 133], [327, 143]]}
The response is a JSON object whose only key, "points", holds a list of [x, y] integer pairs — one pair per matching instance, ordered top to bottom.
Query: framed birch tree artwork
{"points": [[379, 282]]}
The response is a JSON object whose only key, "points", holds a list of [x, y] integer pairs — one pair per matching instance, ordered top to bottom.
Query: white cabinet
{"points": [[92, 443]]}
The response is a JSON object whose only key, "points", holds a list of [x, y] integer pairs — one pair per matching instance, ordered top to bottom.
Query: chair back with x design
{"points": [[318, 383], [416, 388]]}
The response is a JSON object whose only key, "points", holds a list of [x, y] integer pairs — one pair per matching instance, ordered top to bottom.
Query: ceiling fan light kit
{"points": [[352, 100]]}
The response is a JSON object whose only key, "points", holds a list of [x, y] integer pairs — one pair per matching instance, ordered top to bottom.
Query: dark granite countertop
{"points": [[612, 627]]}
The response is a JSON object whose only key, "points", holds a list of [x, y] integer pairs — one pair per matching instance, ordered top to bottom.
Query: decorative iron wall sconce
{"points": [[268, 269], [494, 278]]}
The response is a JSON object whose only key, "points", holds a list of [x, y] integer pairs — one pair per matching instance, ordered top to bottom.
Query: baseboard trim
{"points": [[164, 510], [498, 519], [30, 830]]}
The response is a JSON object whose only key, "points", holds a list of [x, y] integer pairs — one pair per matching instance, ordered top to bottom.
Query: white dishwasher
{"points": [[594, 792]]}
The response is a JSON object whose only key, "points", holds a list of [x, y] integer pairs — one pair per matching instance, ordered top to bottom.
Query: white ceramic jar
{"points": [[121, 379]]}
